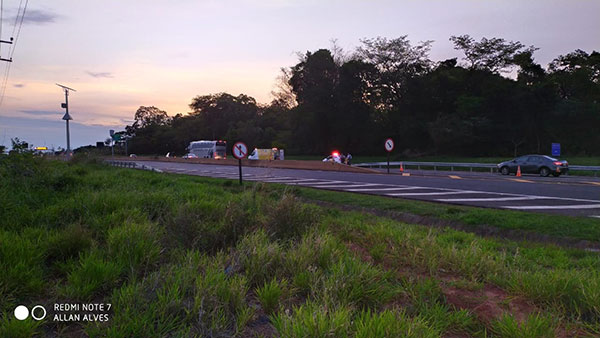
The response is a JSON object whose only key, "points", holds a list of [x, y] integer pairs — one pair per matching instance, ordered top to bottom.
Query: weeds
{"points": [[270, 294], [534, 326]]}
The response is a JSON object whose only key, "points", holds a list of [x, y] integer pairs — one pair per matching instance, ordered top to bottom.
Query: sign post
{"points": [[112, 143], [389, 146], [240, 151]]}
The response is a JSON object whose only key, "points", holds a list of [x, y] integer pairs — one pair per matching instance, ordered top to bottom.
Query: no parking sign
{"points": [[240, 151]]}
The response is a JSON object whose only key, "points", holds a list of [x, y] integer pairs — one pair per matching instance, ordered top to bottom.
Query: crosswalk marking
{"points": [[325, 182], [348, 186], [384, 189], [431, 193], [487, 199], [541, 207]]}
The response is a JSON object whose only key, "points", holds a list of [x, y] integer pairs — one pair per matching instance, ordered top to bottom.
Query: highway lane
{"points": [[569, 195]]}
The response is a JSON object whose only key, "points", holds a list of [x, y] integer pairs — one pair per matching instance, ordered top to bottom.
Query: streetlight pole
{"points": [[67, 117]]}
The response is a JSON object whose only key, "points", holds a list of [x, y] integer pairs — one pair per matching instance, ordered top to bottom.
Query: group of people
{"points": [[339, 158], [346, 159]]}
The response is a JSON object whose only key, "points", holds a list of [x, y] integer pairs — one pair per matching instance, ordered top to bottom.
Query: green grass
{"points": [[189, 256]]}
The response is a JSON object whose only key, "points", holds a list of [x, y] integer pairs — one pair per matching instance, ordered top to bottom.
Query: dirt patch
{"points": [[482, 230], [489, 303]]}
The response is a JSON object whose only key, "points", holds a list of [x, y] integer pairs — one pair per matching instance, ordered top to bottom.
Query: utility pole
{"points": [[10, 43], [67, 117]]}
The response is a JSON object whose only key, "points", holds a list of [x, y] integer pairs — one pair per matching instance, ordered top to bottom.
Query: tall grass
{"points": [[189, 256]]}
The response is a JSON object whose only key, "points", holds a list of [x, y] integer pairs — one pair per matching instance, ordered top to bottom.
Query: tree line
{"points": [[495, 101]]}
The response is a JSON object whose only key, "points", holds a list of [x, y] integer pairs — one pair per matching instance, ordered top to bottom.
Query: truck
{"points": [[208, 149], [266, 154]]}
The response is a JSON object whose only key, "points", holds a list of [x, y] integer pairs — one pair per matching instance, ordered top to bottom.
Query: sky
{"points": [[120, 55]]}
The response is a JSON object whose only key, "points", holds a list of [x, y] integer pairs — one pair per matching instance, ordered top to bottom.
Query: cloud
{"points": [[37, 16], [99, 75], [19, 85], [41, 112]]}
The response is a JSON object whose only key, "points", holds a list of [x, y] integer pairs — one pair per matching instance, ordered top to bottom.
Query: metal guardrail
{"points": [[134, 165], [435, 165]]}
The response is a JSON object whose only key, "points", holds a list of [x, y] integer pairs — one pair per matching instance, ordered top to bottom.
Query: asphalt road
{"points": [[578, 196]]}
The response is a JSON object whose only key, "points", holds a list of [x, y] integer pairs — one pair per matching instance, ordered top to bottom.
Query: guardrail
{"points": [[134, 165], [435, 165]]}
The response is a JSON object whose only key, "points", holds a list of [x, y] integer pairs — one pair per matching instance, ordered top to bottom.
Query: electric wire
{"points": [[14, 44]]}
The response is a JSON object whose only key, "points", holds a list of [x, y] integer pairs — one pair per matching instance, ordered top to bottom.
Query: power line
{"points": [[13, 43]]}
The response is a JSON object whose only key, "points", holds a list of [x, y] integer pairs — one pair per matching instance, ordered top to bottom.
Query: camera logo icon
{"points": [[38, 312]]}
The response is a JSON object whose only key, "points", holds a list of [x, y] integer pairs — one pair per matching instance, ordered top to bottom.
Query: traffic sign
{"points": [[389, 145], [555, 149], [240, 150]]}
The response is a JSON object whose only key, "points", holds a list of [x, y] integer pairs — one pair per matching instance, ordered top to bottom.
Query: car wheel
{"points": [[505, 171], [544, 172]]}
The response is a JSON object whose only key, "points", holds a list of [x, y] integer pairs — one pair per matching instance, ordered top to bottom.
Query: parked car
{"points": [[132, 155], [190, 155], [535, 164]]}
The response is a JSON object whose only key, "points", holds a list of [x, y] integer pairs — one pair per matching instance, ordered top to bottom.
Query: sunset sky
{"points": [[119, 55]]}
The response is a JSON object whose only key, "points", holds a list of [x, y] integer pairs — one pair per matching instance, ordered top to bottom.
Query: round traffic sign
{"points": [[389, 145], [240, 150]]}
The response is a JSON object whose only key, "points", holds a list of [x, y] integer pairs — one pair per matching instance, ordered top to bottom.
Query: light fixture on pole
{"points": [[67, 117]]}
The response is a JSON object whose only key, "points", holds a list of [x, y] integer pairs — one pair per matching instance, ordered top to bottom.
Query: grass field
{"points": [[186, 256]]}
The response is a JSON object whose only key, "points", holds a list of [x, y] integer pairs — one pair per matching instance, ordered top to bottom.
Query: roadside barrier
{"points": [[133, 165], [445, 165]]}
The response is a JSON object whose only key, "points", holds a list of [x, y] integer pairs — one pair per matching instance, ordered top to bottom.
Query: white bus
{"points": [[208, 149]]}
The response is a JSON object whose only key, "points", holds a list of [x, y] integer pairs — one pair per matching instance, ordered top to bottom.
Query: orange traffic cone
{"points": [[401, 167], [519, 171]]}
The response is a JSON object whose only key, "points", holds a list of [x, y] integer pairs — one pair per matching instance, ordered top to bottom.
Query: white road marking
{"points": [[289, 180], [325, 182], [348, 186], [384, 189], [431, 193], [499, 199], [541, 207], [595, 216]]}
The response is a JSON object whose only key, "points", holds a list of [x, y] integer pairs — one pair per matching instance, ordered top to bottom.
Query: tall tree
{"points": [[494, 54]]}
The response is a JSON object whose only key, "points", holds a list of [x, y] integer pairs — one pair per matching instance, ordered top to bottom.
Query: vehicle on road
{"points": [[208, 149], [266, 154], [133, 155], [190, 155], [334, 157], [534, 164]]}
